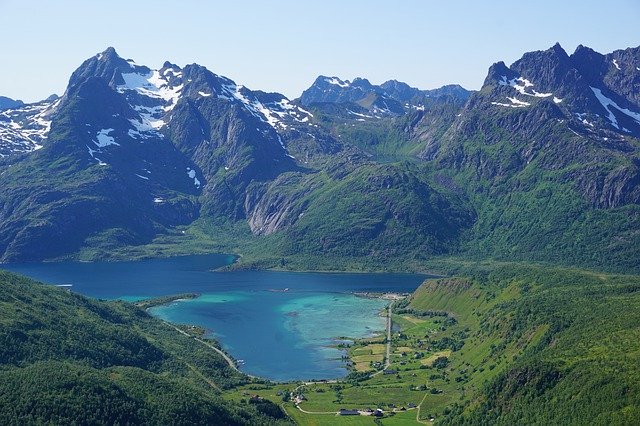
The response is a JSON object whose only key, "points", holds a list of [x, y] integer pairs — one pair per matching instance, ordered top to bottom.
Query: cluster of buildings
{"points": [[367, 412]]}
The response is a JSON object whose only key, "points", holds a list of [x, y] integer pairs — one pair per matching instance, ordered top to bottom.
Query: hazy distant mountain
{"points": [[390, 98], [6, 103]]}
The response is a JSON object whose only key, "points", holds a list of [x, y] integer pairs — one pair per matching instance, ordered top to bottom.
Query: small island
{"points": [[163, 300]]}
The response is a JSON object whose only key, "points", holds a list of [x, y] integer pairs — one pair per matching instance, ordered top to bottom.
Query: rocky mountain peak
{"points": [[558, 49], [589, 63], [168, 64], [107, 65], [547, 68], [498, 72], [363, 83], [400, 90], [586, 99]]}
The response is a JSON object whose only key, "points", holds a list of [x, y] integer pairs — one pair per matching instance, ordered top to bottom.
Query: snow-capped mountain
{"points": [[592, 92], [153, 94], [552, 111], [125, 138]]}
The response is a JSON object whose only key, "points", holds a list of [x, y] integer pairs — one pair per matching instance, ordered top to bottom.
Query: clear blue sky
{"points": [[283, 45]]}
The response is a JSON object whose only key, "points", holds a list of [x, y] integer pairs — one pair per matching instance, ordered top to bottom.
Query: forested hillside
{"points": [[66, 359]]}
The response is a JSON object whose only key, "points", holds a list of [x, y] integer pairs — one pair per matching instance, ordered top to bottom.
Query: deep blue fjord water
{"points": [[280, 335]]}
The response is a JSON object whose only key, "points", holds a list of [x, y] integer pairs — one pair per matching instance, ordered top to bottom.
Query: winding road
{"points": [[227, 358], [387, 358], [387, 361]]}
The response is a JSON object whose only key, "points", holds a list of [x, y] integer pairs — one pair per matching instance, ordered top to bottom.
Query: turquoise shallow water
{"points": [[280, 335]]}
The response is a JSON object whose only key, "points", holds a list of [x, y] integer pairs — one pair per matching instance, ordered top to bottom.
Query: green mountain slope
{"points": [[542, 345], [65, 358]]}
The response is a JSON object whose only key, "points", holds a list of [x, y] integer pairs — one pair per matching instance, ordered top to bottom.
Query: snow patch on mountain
{"points": [[337, 82], [152, 85], [521, 85], [155, 90], [515, 103], [607, 104], [276, 113], [358, 114], [581, 116], [24, 129], [103, 138], [92, 153], [192, 175]]}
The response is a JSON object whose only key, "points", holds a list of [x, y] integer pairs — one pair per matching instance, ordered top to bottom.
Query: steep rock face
{"points": [[107, 66], [549, 69], [618, 72], [427, 125], [231, 147], [610, 188], [270, 208]]}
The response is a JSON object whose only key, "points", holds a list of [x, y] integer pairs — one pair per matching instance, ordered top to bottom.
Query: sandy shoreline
{"points": [[393, 296]]}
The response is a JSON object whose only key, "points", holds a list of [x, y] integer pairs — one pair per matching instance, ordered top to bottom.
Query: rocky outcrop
{"points": [[610, 188], [268, 209]]}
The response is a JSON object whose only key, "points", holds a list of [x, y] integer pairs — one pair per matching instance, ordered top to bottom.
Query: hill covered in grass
{"points": [[541, 345], [65, 358]]}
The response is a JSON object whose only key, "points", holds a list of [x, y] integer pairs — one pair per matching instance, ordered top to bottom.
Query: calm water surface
{"points": [[280, 335]]}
